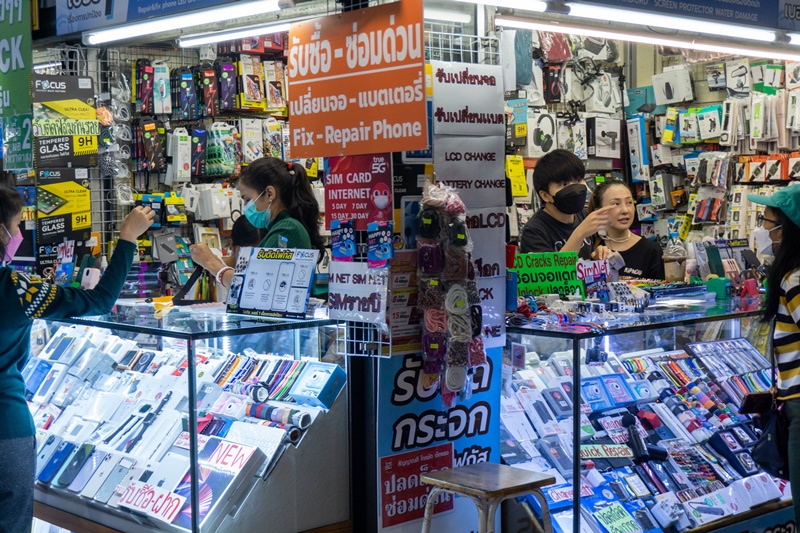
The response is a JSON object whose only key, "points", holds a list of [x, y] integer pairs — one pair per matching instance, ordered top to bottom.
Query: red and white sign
{"points": [[357, 82], [359, 188], [229, 456], [403, 496], [151, 500]]}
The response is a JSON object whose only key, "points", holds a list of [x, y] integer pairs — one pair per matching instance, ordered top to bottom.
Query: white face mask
{"points": [[762, 239]]}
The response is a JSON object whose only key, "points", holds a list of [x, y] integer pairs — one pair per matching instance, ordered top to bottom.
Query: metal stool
{"points": [[487, 485]]}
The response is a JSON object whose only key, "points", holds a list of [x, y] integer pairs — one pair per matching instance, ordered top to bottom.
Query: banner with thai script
{"points": [[356, 82], [468, 99], [548, 273], [357, 293], [417, 433]]}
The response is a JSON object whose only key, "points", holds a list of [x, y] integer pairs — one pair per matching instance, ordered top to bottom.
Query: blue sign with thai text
{"points": [[761, 13]]}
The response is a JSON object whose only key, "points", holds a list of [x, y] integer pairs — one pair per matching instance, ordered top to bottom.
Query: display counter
{"points": [[198, 420], [655, 429]]}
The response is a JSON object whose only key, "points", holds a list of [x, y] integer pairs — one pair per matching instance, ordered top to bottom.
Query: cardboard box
{"points": [[603, 137]]}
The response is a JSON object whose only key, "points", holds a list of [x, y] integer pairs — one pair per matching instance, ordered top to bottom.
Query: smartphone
{"points": [[59, 350], [127, 360], [46, 452], [56, 461], [109, 462], [71, 468], [87, 470], [137, 473], [115, 477]]}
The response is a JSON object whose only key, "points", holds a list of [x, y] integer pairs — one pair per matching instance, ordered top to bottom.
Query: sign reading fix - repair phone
{"points": [[357, 82]]}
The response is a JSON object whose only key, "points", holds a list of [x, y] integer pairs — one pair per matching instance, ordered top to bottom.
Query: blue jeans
{"points": [[17, 471]]}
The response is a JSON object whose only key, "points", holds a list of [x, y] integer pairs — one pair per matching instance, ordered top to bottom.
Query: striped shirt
{"points": [[786, 339]]}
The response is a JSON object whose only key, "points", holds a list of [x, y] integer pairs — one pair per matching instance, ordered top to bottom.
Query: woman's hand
{"points": [[137, 222], [601, 253], [203, 256]]}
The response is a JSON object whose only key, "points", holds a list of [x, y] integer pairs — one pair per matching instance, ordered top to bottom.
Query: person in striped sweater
{"points": [[781, 219]]}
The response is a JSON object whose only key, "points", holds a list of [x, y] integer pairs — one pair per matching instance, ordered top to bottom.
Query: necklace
{"points": [[607, 237]]}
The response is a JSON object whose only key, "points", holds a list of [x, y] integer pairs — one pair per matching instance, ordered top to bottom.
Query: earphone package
{"points": [[162, 97], [571, 135]]}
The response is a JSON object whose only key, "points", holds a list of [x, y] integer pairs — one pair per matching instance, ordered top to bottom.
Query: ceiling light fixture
{"points": [[606, 14], [179, 22], [191, 41], [677, 42]]}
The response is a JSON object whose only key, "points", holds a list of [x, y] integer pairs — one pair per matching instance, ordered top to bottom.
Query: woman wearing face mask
{"points": [[280, 201], [781, 219], [643, 257], [24, 299]]}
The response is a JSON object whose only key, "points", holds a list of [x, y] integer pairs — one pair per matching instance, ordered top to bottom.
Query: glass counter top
{"points": [[659, 315], [186, 323]]}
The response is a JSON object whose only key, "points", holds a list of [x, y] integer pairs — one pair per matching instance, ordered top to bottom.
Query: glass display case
{"points": [[643, 405], [195, 420]]}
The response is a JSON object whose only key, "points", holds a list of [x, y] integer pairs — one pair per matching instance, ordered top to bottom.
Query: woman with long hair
{"points": [[280, 201], [781, 221], [643, 257], [25, 298]]}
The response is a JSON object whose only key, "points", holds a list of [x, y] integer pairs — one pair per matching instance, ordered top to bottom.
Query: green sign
{"points": [[15, 58], [17, 142], [548, 273], [616, 519]]}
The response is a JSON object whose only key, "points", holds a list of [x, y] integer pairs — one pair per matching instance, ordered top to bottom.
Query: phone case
{"points": [[46, 452], [56, 461], [73, 465], [87, 470], [101, 473], [134, 474], [114, 478]]}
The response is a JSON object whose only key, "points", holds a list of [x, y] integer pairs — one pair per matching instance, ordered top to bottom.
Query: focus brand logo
{"points": [[74, 4], [51, 85]]}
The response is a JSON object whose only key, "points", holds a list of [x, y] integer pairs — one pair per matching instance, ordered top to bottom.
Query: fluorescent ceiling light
{"points": [[527, 5], [447, 15], [664, 21], [179, 22], [588, 31], [210, 38], [794, 38], [51, 64]]}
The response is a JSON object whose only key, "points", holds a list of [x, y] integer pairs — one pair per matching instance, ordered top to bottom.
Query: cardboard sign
{"points": [[357, 82], [468, 99], [46, 127], [66, 151], [359, 188], [63, 203], [548, 273], [273, 282], [357, 292], [606, 451], [616, 519]]}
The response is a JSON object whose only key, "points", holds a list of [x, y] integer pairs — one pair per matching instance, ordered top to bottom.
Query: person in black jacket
{"points": [[562, 225], [643, 257], [25, 298]]}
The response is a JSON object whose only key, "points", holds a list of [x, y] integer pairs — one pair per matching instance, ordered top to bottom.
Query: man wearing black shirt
{"points": [[562, 225]]}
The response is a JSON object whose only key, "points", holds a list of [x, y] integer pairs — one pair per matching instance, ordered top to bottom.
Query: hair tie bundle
{"points": [[455, 206], [429, 223], [457, 233], [430, 258], [455, 264], [470, 268], [430, 294], [473, 297], [456, 302], [476, 319], [435, 320], [460, 327], [433, 346], [477, 351], [458, 353], [432, 366], [456, 377], [448, 396]]}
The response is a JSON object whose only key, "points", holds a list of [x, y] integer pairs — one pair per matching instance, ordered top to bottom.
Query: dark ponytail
{"points": [[294, 189], [10, 206], [786, 260]]}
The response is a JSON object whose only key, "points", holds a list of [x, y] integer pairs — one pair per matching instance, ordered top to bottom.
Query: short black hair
{"points": [[559, 166], [243, 233]]}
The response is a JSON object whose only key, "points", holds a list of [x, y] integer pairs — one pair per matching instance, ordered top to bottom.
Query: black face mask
{"points": [[571, 199]]}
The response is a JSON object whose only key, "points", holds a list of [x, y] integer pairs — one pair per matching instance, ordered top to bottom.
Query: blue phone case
{"points": [[61, 454]]}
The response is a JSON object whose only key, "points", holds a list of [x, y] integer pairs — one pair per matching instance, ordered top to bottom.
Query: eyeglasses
{"points": [[761, 219]]}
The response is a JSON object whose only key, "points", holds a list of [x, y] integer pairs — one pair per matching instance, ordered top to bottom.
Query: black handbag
{"points": [[771, 451]]}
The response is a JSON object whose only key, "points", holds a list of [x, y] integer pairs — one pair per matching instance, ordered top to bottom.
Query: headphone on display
{"points": [[542, 139]]}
